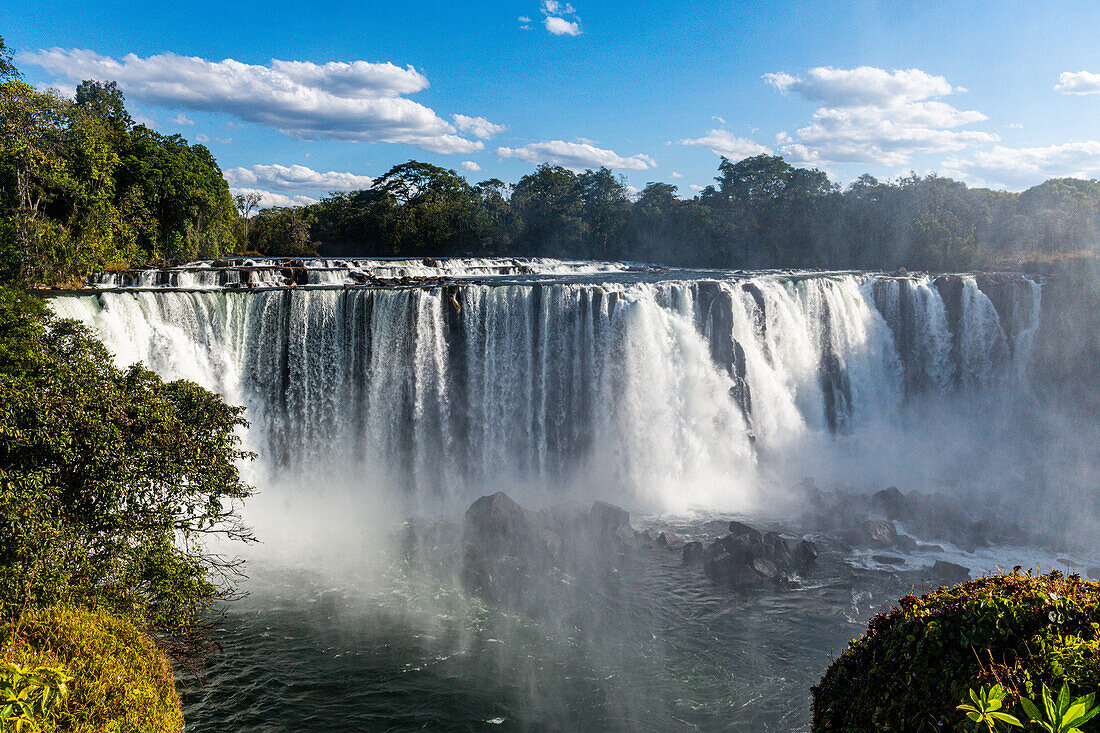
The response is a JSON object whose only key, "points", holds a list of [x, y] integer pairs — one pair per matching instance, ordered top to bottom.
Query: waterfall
{"points": [[674, 389]]}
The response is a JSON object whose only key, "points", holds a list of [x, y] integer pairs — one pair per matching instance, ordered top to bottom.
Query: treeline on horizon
{"points": [[83, 189]]}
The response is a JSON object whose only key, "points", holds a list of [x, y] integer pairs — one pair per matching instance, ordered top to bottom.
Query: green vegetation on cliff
{"points": [[82, 188], [915, 665], [121, 682]]}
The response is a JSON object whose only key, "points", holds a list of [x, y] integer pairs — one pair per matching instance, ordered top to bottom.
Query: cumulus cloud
{"points": [[555, 22], [524, 23], [561, 26], [1078, 82], [356, 101], [870, 115], [182, 119], [478, 126], [722, 142], [577, 156], [470, 166], [1005, 167], [674, 174], [294, 178], [269, 198]]}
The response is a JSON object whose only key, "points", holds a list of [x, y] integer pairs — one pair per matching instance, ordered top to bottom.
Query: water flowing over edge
{"points": [[673, 394]]}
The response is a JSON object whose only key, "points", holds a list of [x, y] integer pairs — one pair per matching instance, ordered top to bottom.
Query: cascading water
{"points": [[384, 389], [670, 390]]}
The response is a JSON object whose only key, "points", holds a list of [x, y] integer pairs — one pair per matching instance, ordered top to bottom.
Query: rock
{"points": [[892, 504], [605, 518], [496, 525], [737, 529], [879, 532], [625, 533], [671, 540], [905, 543], [921, 547], [693, 552], [805, 555], [745, 558], [888, 559], [766, 568], [949, 572]]}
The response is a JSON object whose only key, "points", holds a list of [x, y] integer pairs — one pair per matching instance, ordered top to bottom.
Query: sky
{"points": [[298, 99]]}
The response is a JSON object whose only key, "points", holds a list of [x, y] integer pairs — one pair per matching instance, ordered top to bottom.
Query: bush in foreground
{"points": [[916, 664], [121, 682]]}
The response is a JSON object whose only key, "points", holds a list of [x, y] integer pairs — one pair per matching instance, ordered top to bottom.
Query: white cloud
{"points": [[552, 7], [524, 19], [524, 23], [561, 26], [1078, 82], [356, 101], [873, 116], [182, 119], [718, 119], [478, 126], [202, 138], [722, 142], [577, 156], [471, 166], [1022, 167], [674, 174], [294, 178], [695, 187], [269, 198]]}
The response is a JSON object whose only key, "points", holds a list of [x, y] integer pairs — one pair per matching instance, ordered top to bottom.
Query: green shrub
{"points": [[914, 666], [121, 682]]}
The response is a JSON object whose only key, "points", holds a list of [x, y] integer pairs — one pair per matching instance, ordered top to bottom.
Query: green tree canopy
{"points": [[111, 480]]}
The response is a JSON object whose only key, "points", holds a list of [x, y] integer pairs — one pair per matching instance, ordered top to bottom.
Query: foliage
{"points": [[83, 189], [761, 212], [110, 479], [910, 669], [120, 682], [30, 695], [985, 706], [1062, 714]]}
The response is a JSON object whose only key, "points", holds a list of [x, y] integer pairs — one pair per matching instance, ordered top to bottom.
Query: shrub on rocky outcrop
{"points": [[916, 664], [121, 682]]}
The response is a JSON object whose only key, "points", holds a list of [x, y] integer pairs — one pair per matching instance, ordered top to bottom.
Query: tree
{"points": [[7, 65], [104, 100], [110, 479]]}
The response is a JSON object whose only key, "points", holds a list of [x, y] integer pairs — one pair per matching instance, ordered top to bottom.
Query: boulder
{"points": [[892, 504], [604, 519], [496, 526], [737, 529], [878, 532], [670, 540], [905, 543], [693, 552], [805, 555], [747, 558], [888, 559], [949, 572]]}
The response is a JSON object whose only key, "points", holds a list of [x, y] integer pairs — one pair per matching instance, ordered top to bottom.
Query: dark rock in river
{"points": [[892, 504], [671, 540], [509, 551], [693, 552], [745, 558], [888, 559], [949, 572]]}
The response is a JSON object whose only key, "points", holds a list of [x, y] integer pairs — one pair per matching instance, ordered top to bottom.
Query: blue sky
{"points": [[296, 99]]}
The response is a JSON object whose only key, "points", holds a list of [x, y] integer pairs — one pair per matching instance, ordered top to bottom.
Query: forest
{"points": [[83, 188]]}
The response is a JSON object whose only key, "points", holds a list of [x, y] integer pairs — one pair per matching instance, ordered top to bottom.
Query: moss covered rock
{"points": [[915, 664], [122, 683]]}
